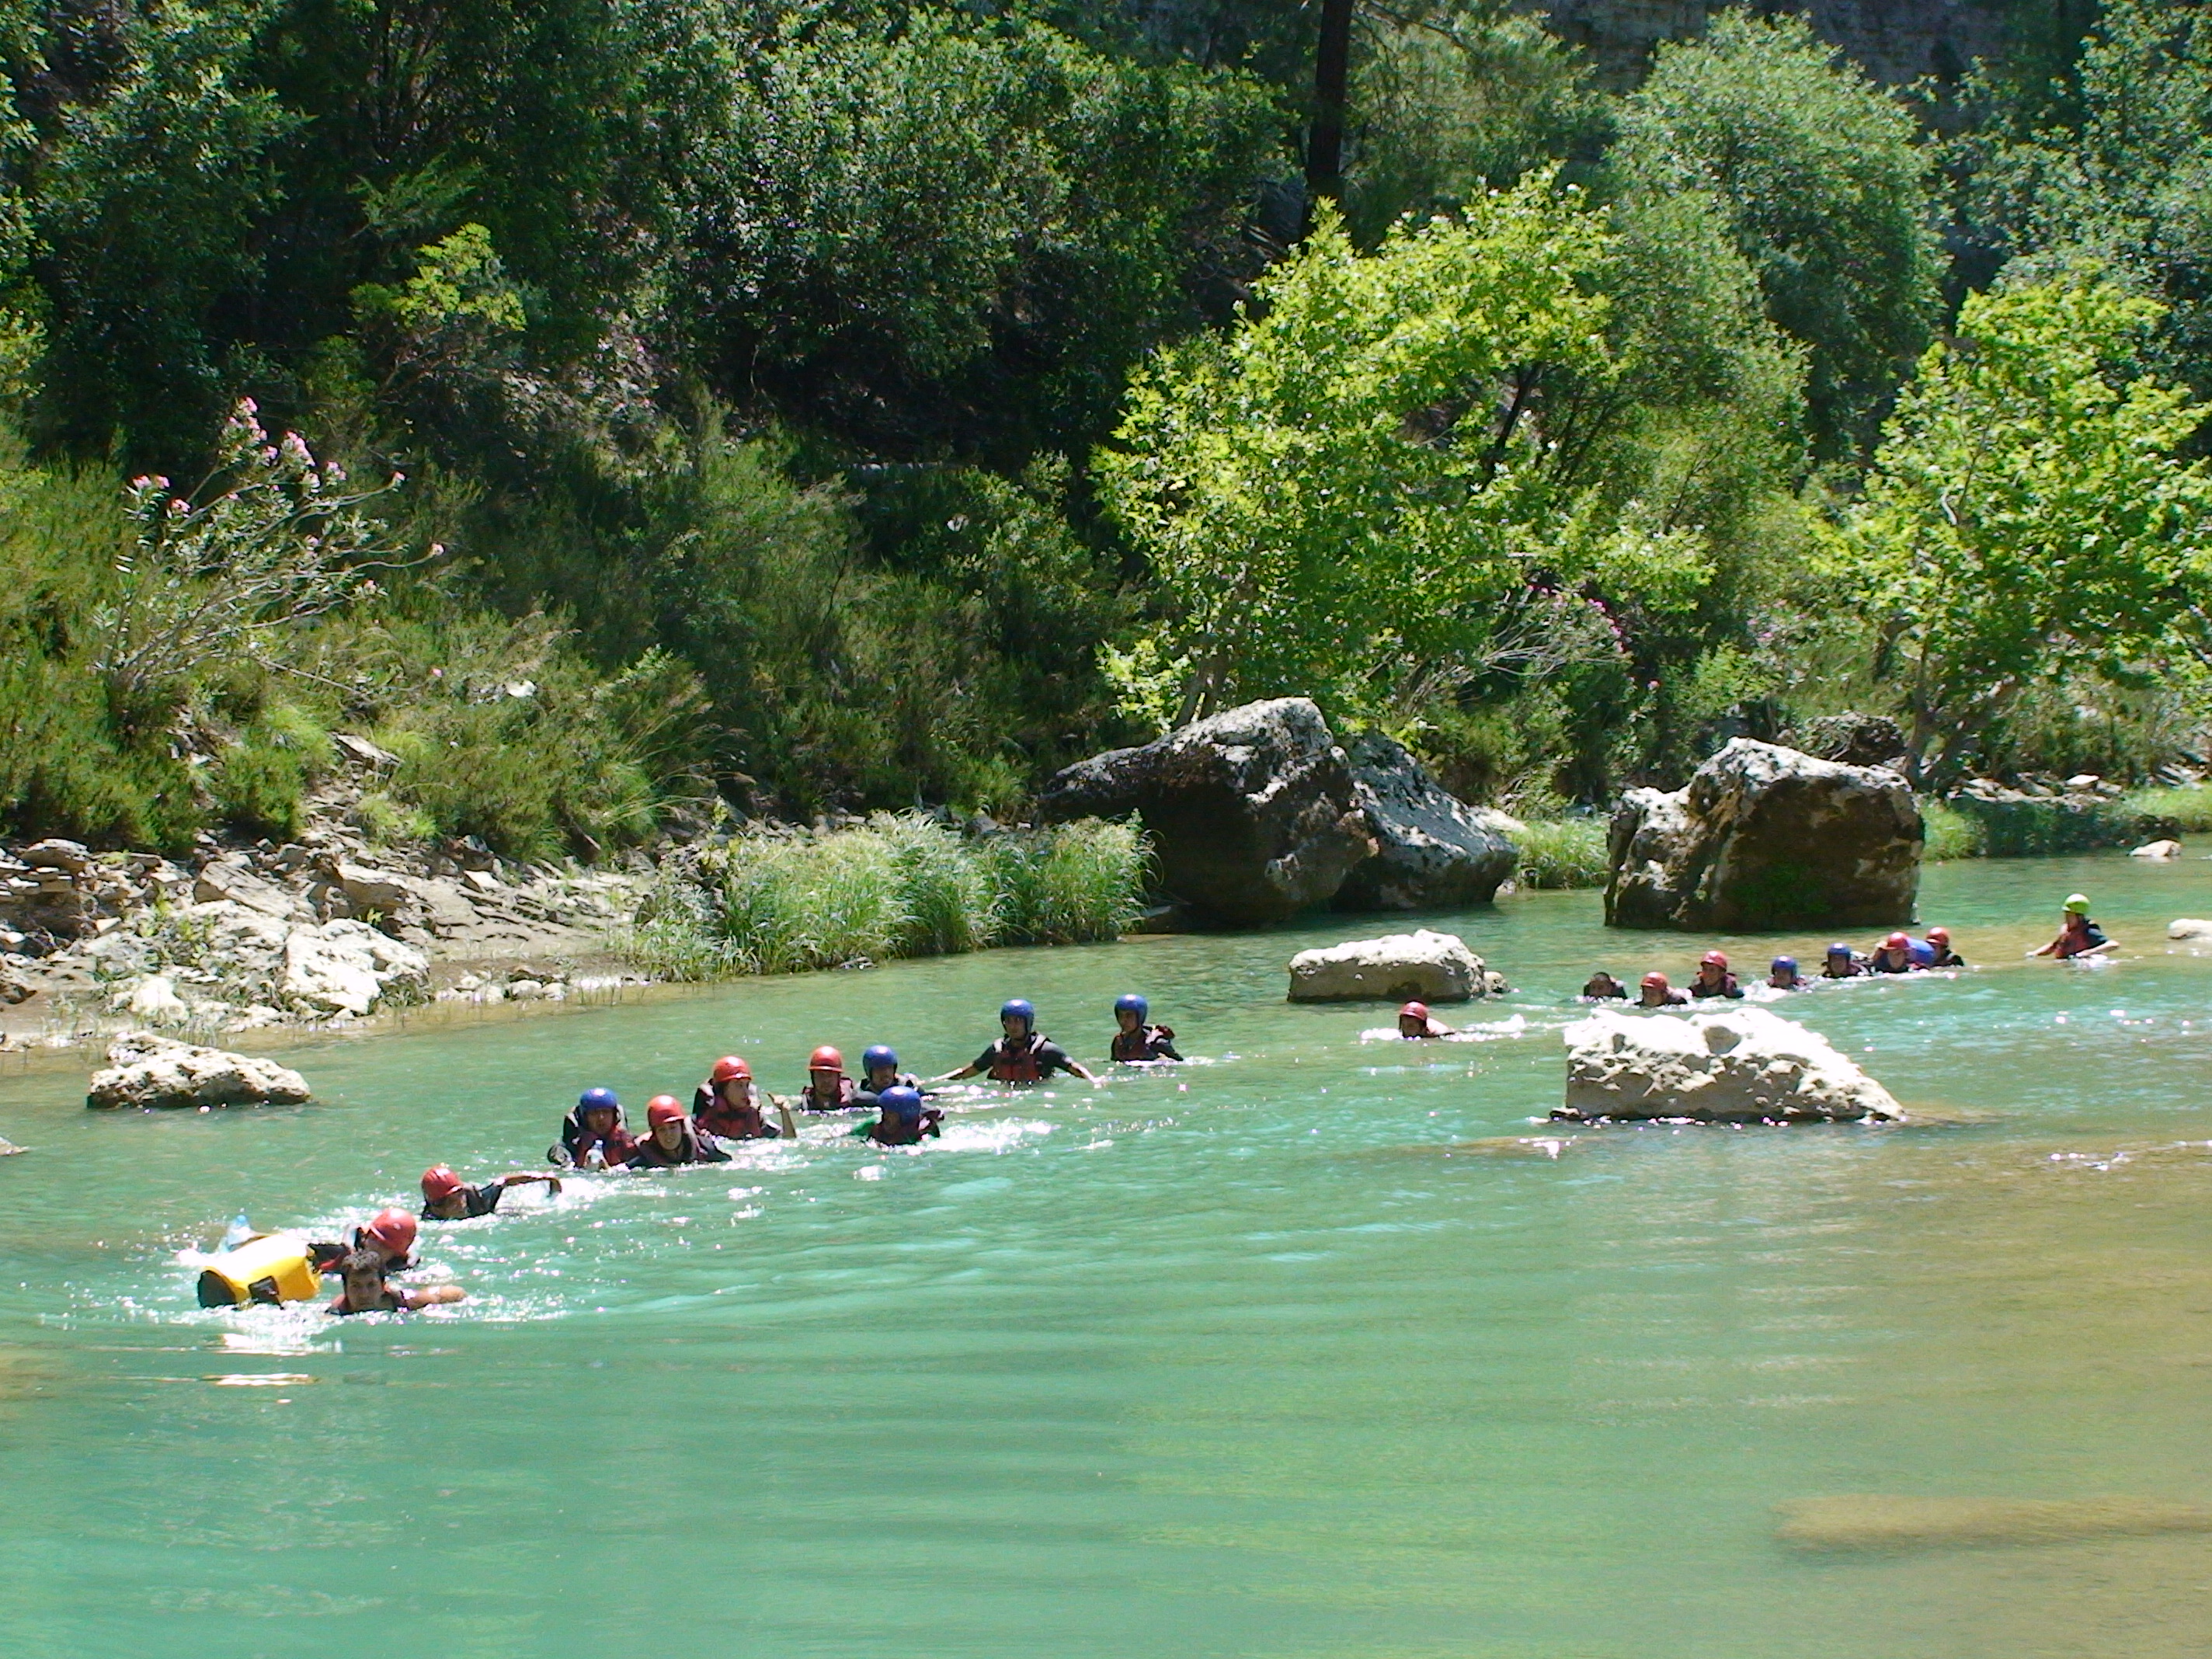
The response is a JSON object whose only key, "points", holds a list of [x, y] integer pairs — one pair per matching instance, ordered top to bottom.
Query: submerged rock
{"points": [[1253, 813], [1765, 837], [2168, 848], [1432, 849], [1430, 966], [1741, 1065], [147, 1071], [1871, 1523]]}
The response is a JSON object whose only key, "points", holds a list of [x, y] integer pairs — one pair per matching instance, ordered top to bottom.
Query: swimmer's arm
{"points": [[1084, 1072], [782, 1111], [525, 1178], [429, 1296]]}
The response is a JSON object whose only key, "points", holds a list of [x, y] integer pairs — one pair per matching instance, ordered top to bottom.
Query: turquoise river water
{"points": [[1257, 1358]]}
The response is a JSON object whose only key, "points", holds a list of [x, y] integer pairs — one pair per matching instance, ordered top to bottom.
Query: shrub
{"points": [[2185, 812], [1951, 834], [1563, 852], [1068, 885]]}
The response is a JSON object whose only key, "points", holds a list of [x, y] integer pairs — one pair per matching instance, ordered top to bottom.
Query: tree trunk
{"points": [[1332, 70]]}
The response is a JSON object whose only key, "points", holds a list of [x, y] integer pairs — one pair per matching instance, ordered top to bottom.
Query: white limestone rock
{"points": [[2156, 849], [2189, 928], [1431, 966], [349, 968], [153, 998], [1739, 1065], [145, 1071]]}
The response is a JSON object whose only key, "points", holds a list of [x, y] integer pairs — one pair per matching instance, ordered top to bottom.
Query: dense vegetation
{"points": [[816, 408]]}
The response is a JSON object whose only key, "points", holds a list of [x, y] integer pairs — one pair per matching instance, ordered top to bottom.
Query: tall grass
{"points": [[2187, 811], [1951, 834], [1562, 853], [900, 885]]}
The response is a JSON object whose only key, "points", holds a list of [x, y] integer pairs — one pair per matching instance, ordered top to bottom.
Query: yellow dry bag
{"points": [[267, 1268]]}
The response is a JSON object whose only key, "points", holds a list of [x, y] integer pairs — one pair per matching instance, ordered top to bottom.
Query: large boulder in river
{"points": [[1253, 813], [1765, 837], [1432, 849], [1430, 966], [1741, 1065], [147, 1071]]}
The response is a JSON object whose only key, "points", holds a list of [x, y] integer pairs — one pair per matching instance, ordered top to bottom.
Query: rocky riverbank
{"points": [[323, 933]]}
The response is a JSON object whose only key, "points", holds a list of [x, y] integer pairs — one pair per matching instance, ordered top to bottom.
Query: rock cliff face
{"points": [[1253, 813], [1767, 838], [1431, 848]]}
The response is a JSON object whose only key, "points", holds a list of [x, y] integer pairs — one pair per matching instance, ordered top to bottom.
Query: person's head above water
{"points": [[2077, 904], [1939, 936], [1898, 942], [1839, 950], [1783, 968], [1653, 988], [1130, 1011], [1018, 1016], [1413, 1019], [826, 1060], [880, 1060], [901, 1102], [597, 1110], [664, 1120], [442, 1189], [392, 1232]]}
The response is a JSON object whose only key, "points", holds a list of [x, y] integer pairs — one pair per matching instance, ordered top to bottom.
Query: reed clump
{"points": [[1556, 853], [902, 885]]}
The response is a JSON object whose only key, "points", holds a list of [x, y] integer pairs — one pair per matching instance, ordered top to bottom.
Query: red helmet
{"points": [[1944, 933], [1897, 942], [1713, 959], [1655, 981], [1414, 1010], [825, 1059], [727, 1066], [663, 1108], [440, 1182], [392, 1231]]}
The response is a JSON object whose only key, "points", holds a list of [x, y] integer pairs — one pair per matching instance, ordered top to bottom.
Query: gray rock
{"points": [[1854, 739], [1254, 814], [1765, 837], [2168, 848], [1432, 849], [70, 857], [229, 881], [375, 889], [2189, 928], [1430, 966], [350, 968], [1741, 1065], [149, 1072]]}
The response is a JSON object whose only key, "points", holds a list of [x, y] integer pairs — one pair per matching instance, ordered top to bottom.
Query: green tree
{"points": [[1820, 179], [1352, 486], [2027, 516]]}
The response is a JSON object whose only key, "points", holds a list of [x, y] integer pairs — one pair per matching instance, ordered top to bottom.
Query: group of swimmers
{"points": [[1899, 953], [726, 1106]]}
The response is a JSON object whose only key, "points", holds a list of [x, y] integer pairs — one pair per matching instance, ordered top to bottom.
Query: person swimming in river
{"points": [[2078, 936], [1940, 953], [1894, 955], [1842, 963], [1782, 974], [1713, 978], [1601, 987], [1654, 992], [1416, 1023], [1135, 1041], [1021, 1055], [880, 1070], [828, 1088], [727, 1106], [901, 1119], [593, 1136], [670, 1141], [446, 1197], [382, 1247]]}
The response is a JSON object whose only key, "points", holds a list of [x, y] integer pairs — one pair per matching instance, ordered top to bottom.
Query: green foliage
{"points": [[1819, 178], [1345, 488], [2026, 514], [259, 783], [2188, 808], [1951, 834], [1562, 853], [898, 885]]}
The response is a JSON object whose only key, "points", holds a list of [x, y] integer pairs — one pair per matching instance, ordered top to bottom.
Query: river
{"points": [[1254, 1357]]}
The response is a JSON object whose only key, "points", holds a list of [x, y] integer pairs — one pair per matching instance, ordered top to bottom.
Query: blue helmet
{"points": [[1839, 950], [1783, 965], [1130, 1003], [1021, 1009], [877, 1057], [592, 1100], [899, 1102]]}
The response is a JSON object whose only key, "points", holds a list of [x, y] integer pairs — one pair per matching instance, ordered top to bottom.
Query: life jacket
{"points": [[1143, 1043], [1011, 1065], [808, 1102], [712, 1115]]}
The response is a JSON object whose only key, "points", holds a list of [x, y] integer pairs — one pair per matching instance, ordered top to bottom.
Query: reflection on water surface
{"points": [[1321, 1348]]}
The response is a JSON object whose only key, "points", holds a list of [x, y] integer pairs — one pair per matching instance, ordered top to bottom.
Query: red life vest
{"points": [[1143, 1043], [1011, 1065]]}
